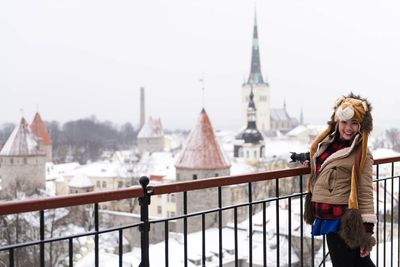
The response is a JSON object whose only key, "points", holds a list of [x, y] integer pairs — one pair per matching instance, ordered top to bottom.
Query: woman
{"points": [[339, 203]]}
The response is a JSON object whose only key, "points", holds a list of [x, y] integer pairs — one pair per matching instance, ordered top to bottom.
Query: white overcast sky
{"points": [[71, 59]]}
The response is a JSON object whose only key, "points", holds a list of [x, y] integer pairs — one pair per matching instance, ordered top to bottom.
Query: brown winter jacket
{"points": [[332, 184]]}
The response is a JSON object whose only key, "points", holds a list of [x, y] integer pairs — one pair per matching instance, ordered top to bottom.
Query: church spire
{"points": [[255, 76], [251, 111]]}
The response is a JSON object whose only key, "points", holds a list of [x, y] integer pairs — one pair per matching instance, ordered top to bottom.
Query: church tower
{"points": [[259, 85], [249, 143]]}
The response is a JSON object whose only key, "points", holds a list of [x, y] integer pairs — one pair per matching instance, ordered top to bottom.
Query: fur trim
{"points": [[366, 123], [313, 149], [308, 216], [369, 218], [353, 232]]}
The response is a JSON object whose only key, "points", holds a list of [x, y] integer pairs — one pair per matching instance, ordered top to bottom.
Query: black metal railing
{"points": [[268, 223]]}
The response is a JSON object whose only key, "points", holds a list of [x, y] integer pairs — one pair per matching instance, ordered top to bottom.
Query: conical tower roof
{"points": [[255, 76], [152, 128], [39, 129], [21, 142], [202, 150]]}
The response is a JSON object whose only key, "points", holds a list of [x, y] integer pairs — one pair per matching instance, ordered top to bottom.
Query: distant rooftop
{"points": [[39, 129], [151, 129], [22, 142], [202, 150]]}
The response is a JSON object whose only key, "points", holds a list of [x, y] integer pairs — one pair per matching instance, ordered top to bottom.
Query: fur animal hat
{"points": [[351, 107]]}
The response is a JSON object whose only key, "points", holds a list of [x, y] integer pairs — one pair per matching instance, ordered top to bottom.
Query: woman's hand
{"points": [[364, 252]]}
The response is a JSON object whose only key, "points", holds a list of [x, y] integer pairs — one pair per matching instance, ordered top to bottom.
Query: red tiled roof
{"points": [[39, 129], [202, 150]]}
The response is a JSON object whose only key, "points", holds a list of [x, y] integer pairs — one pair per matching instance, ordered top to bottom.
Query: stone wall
{"points": [[151, 144], [26, 173]]}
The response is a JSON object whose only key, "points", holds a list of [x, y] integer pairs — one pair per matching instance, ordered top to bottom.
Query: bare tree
{"points": [[393, 135]]}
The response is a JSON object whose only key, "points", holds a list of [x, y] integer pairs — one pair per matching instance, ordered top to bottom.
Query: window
{"points": [[263, 98], [11, 160], [25, 161], [216, 175], [194, 176], [97, 183], [104, 184], [120, 184], [172, 198], [159, 209]]}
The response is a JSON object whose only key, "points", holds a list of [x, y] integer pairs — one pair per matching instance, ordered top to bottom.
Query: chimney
{"points": [[142, 108]]}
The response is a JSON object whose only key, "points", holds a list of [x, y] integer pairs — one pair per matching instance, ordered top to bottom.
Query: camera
{"points": [[299, 156]]}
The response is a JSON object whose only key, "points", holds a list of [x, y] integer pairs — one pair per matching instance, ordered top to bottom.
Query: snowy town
{"points": [[29, 170]]}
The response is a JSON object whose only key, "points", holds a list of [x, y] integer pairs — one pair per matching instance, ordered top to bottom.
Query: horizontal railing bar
{"points": [[387, 160], [386, 178], [227, 180], [29, 205], [56, 239]]}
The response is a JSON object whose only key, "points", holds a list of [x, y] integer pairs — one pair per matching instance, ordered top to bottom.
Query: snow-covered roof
{"points": [[279, 114], [39, 129], [151, 129], [306, 129], [21, 142], [281, 148], [202, 150], [384, 153], [124, 156], [158, 164], [241, 166], [103, 169], [55, 171], [80, 181], [106, 259]]}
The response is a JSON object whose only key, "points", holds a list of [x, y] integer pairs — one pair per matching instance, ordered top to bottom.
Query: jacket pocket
{"points": [[332, 179]]}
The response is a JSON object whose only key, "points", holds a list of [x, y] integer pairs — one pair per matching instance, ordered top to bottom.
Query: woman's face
{"points": [[348, 129]]}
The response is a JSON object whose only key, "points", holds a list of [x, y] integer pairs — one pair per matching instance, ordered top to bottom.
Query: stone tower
{"points": [[259, 85], [39, 129], [151, 136], [201, 157], [22, 163]]}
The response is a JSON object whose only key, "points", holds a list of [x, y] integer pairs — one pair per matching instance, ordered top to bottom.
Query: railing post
{"points": [[144, 228]]}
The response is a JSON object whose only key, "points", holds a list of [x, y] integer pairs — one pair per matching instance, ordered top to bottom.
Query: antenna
{"points": [[202, 91]]}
